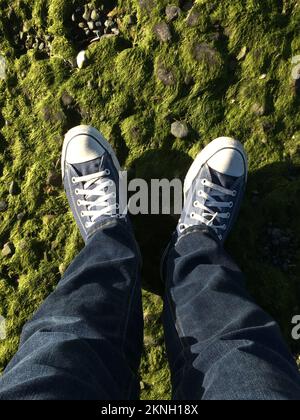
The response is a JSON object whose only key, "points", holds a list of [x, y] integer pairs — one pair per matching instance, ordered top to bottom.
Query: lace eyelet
{"points": [[107, 171], [74, 180], [204, 181], [111, 183], [77, 191], [199, 193], [234, 193], [114, 195], [78, 203], [196, 204], [231, 204], [117, 207], [82, 214], [192, 215], [228, 215], [87, 225], [182, 227], [224, 227], [220, 237]]}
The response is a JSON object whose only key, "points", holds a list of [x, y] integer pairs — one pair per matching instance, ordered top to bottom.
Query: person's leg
{"points": [[85, 341], [220, 344]]}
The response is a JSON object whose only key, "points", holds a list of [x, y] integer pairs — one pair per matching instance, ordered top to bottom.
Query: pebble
{"points": [[172, 12], [87, 14], [95, 15], [193, 18], [108, 23], [91, 25], [163, 32], [204, 52], [242, 54], [81, 59], [2, 67], [165, 76], [66, 99], [258, 109], [179, 129], [3, 205], [20, 216], [8, 249]]}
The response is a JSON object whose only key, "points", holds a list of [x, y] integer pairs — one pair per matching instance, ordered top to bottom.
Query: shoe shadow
{"points": [[265, 241]]}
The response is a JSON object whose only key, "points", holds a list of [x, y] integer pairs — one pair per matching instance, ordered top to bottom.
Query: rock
{"points": [[172, 12], [87, 14], [95, 15], [193, 18], [109, 23], [98, 24], [82, 25], [91, 25], [115, 31], [163, 32], [41, 46], [205, 53], [242, 54], [81, 59], [2, 68], [165, 76], [66, 99], [258, 109], [179, 129], [54, 179], [13, 188], [3, 205], [20, 216], [8, 249], [142, 385]]}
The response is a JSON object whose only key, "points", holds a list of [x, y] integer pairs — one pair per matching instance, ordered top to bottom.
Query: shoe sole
{"points": [[96, 135], [207, 153]]}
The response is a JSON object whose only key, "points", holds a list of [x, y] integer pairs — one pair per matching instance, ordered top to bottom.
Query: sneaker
{"points": [[91, 175], [214, 187]]}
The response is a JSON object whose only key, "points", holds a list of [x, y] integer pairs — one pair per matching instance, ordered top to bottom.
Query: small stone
{"points": [[172, 13], [87, 14], [95, 15], [193, 18], [108, 23], [98, 24], [82, 25], [91, 25], [115, 31], [162, 31], [87, 32], [41, 46], [204, 52], [242, 54], [81, 59], [165, 76], [263, 77], [66, 99], [258, 109], [179, 129], [54, 179], [13, 188], [3, 205], [20, 216], [8, 249], [142, 385]]}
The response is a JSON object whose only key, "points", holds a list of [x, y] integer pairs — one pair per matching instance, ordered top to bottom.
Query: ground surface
{"points": [[221, 67]]}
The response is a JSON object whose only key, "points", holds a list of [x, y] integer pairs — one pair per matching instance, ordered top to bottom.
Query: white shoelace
{"points": [[104, 189], [208, 216]]}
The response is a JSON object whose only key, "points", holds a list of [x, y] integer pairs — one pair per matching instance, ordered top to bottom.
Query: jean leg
{"points": [[85, 341], [221, 345]]}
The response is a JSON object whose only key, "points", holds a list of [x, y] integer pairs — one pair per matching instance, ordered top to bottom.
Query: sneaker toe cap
{"points": [[83, 148], [228, 161]]}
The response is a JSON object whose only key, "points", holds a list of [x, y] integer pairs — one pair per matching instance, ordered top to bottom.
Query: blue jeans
{"points": [[85, 342]]}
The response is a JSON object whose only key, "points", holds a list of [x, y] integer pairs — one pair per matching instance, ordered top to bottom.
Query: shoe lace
{"points": [[104, 189], [205, 214]]}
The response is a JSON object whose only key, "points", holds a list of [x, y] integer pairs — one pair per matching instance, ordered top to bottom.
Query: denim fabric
{"points": [[85, 342]]}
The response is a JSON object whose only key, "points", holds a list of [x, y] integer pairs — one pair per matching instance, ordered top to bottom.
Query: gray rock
{"points": [[172, 12], [95, 15], [193, 18], [109, 23], [98, 24], [91, 25], [115, 31], [163, 32], [41, 46], [204, 52], [165, 76], [66, 99], [258, 109], [179, 129], [3, 205], [21, 216], [8, 249]]}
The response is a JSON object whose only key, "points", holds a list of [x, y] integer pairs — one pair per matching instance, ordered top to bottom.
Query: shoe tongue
{"points": [[91, 167], [225, 181]]}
